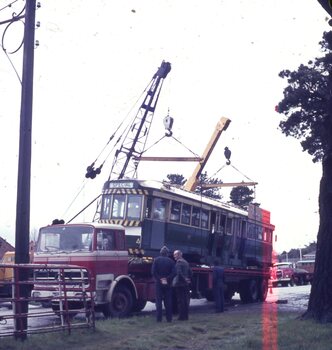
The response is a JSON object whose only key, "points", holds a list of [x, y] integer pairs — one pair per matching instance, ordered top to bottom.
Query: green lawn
{"points": [[252, 328]]}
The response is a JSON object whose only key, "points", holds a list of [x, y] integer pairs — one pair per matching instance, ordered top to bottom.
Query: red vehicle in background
{"points": [[308, 265], [286, 273]]}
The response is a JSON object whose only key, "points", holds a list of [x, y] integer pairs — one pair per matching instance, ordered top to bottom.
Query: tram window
{"points": [[106, 206], [118, 206], [134, 207], [159, 208], [175, 211], [186, 211], [195, 216], [205, 218], [223, 224], [229, 226], [236, 228], [243, 229], [251, 231], [260, 232], [267, 235]]}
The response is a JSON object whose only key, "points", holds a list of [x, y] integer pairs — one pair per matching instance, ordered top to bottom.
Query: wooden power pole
{"points": [[24, 169]]}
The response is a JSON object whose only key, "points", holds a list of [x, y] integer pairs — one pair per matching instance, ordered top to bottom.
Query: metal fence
{"points": [[21, 312]]}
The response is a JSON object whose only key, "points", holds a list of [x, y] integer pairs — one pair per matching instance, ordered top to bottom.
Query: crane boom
{"points": [[222, 125], [133, 145]]}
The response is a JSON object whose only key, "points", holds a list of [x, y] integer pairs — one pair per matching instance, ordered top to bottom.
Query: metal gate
{"points": [[71, 305]]}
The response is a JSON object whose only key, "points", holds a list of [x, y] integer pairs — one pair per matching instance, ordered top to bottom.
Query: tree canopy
{"points": [[305, 104], [307, 107], [180, 180], [241, 196]]}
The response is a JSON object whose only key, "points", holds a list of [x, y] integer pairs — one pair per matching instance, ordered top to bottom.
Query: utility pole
{"points": [[24, 171]]}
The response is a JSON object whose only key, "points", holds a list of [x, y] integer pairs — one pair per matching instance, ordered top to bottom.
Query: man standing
{"points": [[163, 272], [181, 283], [218, 286]]}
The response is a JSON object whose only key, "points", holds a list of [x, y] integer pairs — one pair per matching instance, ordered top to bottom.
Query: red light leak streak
{"points": [[270, 317], [270, 324]]}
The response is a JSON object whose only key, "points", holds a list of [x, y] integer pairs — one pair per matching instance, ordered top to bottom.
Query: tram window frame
{"points": [[106, 206], [148, 207], [122, 209], [136, 209], [159, 211], [175, 213], [186, 214], [195, 216], [205, 218], [222, 223], [229, 226], [236, 227], [243, 229], [259, 230], [251, 231], [267, 235]]}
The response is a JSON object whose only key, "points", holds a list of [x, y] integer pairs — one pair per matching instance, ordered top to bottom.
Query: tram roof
{"points": [[165, 187], [94, 224]]}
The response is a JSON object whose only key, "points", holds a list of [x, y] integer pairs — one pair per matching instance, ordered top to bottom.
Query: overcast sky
{"points": [[94, 60]]}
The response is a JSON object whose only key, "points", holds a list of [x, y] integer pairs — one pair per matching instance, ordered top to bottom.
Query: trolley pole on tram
{"points": [[22, 229]]}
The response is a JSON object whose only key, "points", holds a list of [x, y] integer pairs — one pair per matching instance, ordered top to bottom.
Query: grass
{"points": [[235, 329]]}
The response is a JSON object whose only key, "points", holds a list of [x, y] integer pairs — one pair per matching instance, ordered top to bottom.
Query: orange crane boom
{"points": [[222, 125]]}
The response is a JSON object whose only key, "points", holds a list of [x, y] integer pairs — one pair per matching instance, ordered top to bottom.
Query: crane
{"points": [[222, 125], [133, 145]]}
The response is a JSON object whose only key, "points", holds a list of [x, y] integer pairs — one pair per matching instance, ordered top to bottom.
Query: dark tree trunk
{"points": [[320, 301]]}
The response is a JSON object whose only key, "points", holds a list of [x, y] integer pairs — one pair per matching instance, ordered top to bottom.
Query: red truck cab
{"points": [[102, 250]]}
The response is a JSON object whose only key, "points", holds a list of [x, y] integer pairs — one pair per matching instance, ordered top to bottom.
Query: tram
{"points": [[204, 229]]}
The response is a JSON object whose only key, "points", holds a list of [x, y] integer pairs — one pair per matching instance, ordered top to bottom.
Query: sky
{"points": [[93, 62]]}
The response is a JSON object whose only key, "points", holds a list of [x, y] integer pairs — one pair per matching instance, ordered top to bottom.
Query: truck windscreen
{"points": [[65, 238]]}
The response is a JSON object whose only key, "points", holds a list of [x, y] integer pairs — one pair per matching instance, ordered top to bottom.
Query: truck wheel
{"points": [[292, 282], [263, 289], [249, 291], [209, 295], [228, 295], [120, 305], [139, 305]]}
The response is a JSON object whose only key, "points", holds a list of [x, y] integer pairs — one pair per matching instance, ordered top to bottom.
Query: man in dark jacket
{"points": [[163, 272], [181, 283], [218, 286]]}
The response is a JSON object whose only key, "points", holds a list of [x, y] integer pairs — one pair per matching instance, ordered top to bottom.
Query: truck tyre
{"points": [[292, 282], [263, 289], [249, 291], [209, 295], [120, 305], [139, 305]]}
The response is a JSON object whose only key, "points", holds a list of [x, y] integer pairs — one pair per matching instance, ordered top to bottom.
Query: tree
{"points": [[307, 106], [176, 179], [180, 180], [208, 192], [241, 196]]}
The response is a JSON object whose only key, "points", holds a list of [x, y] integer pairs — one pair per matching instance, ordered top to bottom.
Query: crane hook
{"points": [[168, 123], [227, 154]]}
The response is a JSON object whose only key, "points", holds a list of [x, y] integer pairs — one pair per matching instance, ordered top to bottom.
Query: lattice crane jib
{"points": [[133, 145]]}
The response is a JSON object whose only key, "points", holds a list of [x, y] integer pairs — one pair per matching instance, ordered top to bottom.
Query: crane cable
{"points": [[168, 135], [91, 171]]}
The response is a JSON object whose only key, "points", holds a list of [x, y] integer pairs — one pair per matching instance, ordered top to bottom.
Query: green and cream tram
{"points": [[157, 214]]}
